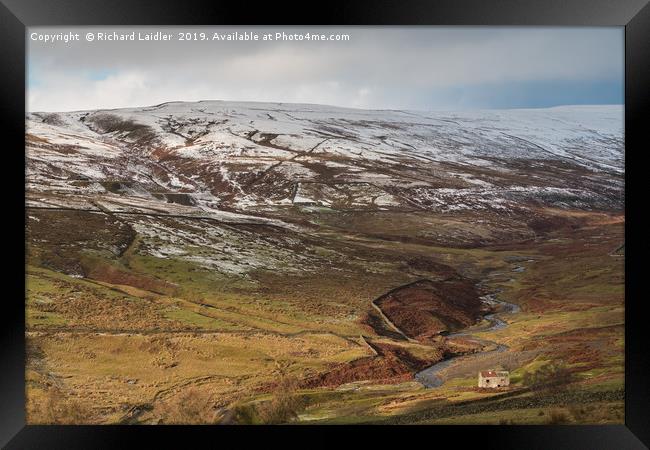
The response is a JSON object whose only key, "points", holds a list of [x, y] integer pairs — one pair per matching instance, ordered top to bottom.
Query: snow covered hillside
{"points": [[225, 159]]}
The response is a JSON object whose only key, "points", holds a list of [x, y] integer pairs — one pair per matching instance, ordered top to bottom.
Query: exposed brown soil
{"points": [[546, 224], [57, 238], [428, 265], [114, 275], [426, 308], [378, 325], [392, 364]]}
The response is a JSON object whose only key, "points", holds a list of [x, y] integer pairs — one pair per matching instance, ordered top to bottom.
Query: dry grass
{"points": [[85, 304], [217, 341], [119, 371], [553, 375], [193, 406], [283, 406], [54, 407], [558, 417]]}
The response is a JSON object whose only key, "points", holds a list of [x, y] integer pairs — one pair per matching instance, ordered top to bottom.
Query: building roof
{"points": [[493, 373]]}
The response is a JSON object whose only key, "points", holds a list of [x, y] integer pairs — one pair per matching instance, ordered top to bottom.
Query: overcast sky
{"points": [[423, 68]]}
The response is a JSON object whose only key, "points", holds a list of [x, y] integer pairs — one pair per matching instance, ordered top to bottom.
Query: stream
{"points": [[429, 376]]}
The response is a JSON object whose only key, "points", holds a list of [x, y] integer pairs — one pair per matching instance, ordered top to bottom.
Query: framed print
{"points": [[383, 216]]}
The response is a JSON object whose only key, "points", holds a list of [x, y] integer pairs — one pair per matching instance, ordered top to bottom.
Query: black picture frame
{"points": [[16, 15]]}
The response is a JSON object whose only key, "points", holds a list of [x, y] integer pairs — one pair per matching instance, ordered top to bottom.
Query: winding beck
{"points": [[429, 377]]}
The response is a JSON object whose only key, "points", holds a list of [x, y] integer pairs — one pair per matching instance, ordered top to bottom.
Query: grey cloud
{"points": [[389, 67]]}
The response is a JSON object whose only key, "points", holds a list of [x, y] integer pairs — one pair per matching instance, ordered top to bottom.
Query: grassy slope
{"points": [[579, 321], [111, 346]]}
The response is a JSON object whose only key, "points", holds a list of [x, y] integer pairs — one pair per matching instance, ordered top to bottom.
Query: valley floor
{"points": [[123, 329]]}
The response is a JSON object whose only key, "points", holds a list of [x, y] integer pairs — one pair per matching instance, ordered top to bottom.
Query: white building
{"points": [[493, 378]]}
